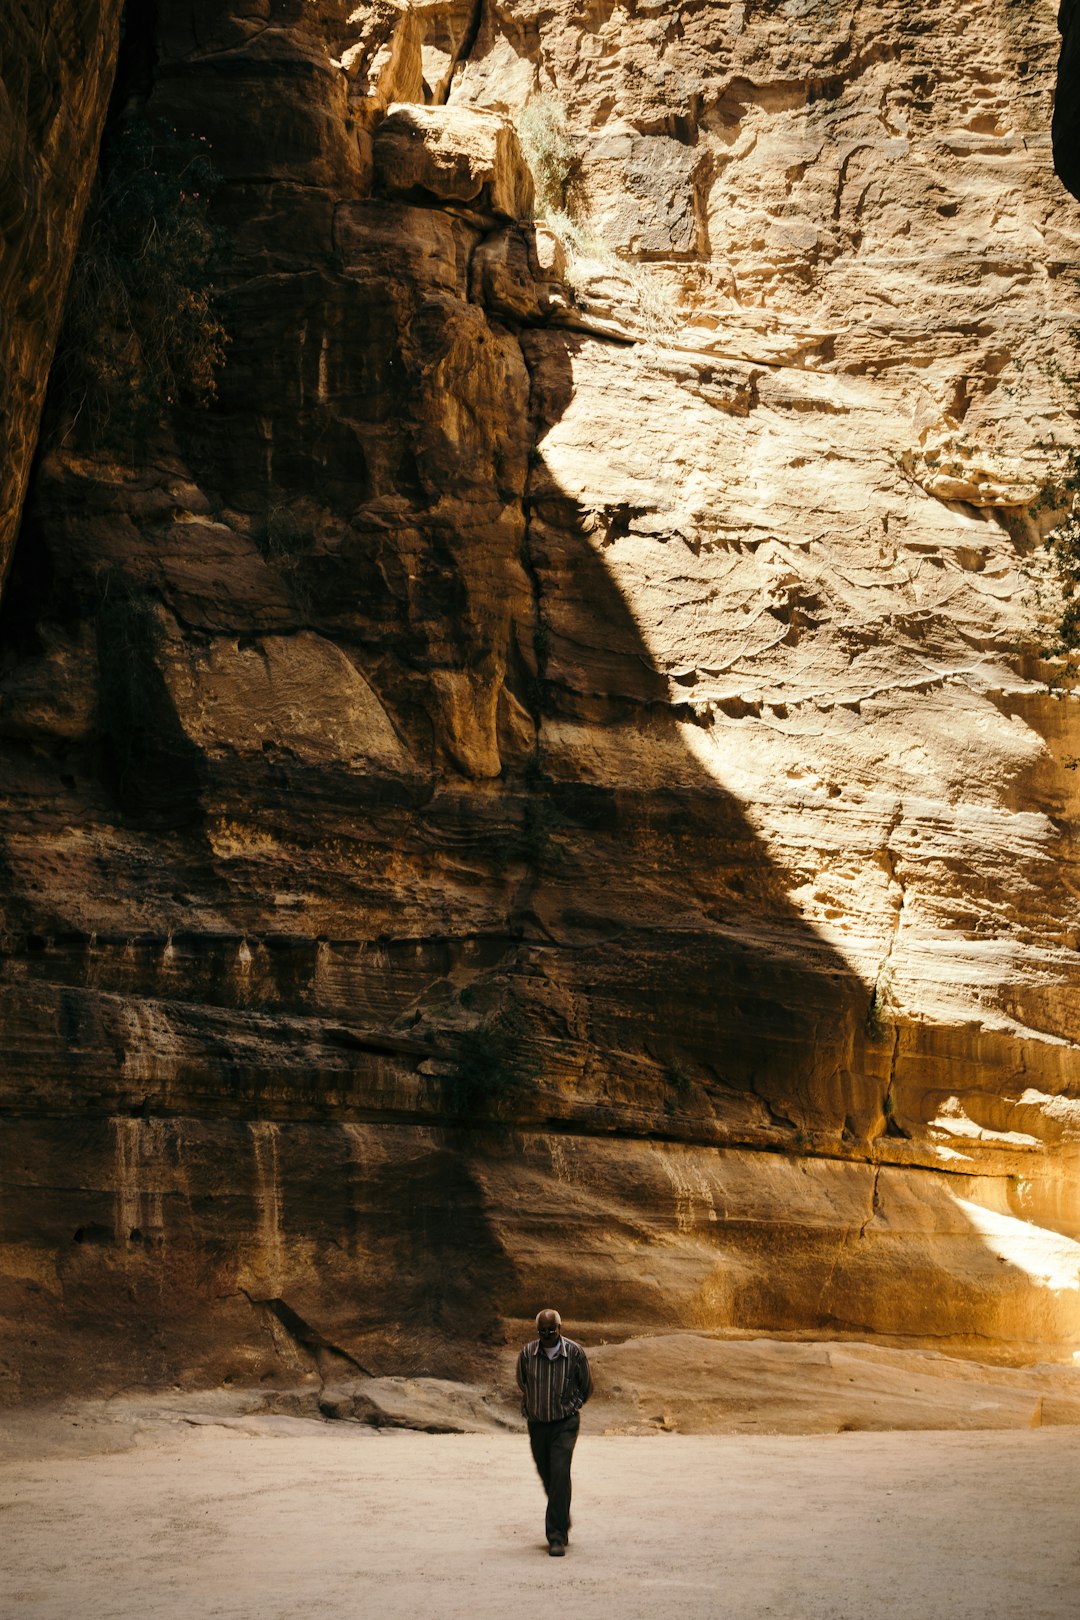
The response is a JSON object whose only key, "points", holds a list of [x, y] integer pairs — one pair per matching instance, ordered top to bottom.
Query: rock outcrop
{"points": [[544, 790]]}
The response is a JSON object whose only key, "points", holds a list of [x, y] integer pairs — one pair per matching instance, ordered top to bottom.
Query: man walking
{"points": [[555, 1382]]}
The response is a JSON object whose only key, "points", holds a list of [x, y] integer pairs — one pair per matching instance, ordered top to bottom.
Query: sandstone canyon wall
{"points": [[546, 789]]}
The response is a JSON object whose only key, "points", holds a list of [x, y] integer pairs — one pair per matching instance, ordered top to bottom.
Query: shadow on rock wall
{"points": [[1066, 130], [354, 856]]}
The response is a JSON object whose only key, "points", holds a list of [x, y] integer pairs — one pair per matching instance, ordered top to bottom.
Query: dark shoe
{"points": [[556, 1547]]}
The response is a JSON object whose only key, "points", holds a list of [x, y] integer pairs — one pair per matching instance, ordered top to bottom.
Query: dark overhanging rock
{"points": [[55, 57], [1066, 129]]}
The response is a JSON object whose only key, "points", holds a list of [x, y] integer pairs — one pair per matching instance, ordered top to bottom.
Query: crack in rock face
{"points": [[550, 754]]}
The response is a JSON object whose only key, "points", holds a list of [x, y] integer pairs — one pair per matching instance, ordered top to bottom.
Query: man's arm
{"points": [[584, 1376], [521, 1381]]}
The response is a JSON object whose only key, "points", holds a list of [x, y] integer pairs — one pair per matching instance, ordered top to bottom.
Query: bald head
{"points": [[549, 1327]]}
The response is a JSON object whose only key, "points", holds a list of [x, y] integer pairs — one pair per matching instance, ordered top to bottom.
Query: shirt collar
{"points": [[538, 1349]]}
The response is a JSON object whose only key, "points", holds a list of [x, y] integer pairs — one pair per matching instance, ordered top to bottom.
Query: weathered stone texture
{"points": [[452, 154], [596, 677]]}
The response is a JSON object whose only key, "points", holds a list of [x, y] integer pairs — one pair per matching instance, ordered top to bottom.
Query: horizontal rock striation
{"points": [[544, 790]]}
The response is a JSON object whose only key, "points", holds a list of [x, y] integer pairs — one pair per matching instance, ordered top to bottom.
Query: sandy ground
{"points": [[280, 1518]]}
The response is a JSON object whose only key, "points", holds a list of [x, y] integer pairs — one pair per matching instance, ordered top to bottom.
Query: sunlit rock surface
{"points": [[540, 793]]}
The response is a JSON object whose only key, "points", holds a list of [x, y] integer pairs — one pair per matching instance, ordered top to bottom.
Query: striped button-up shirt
{"points": [[553, 1387]]}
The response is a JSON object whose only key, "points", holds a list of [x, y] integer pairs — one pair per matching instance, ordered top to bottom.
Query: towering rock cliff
{"points": [[546, 788]]}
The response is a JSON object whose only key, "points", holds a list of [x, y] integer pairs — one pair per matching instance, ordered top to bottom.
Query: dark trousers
{"points": [[553, 1448]]}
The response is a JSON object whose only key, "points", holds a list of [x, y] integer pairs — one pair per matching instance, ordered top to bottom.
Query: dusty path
{"points": [[288, 1518]]}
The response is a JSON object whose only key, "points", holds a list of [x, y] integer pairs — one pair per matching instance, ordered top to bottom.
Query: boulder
{"points": [[453, 155]]}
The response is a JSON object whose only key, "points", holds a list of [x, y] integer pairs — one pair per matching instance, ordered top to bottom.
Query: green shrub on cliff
{"points": [[549, 151], [562, 203], [141, 332], [1061, 562], [880, 1014]]}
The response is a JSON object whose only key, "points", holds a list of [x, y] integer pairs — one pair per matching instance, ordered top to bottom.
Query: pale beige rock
{"points": [[388, 57], [452, 154], [646, 189], [667, 1383], [697, 1385]]}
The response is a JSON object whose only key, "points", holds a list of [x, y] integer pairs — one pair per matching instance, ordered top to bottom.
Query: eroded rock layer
{"points": [[540, 790]]}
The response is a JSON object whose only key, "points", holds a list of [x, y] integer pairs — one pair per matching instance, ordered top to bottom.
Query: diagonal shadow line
{"points": [[655, 885], [650, 918], [651, 928]]}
